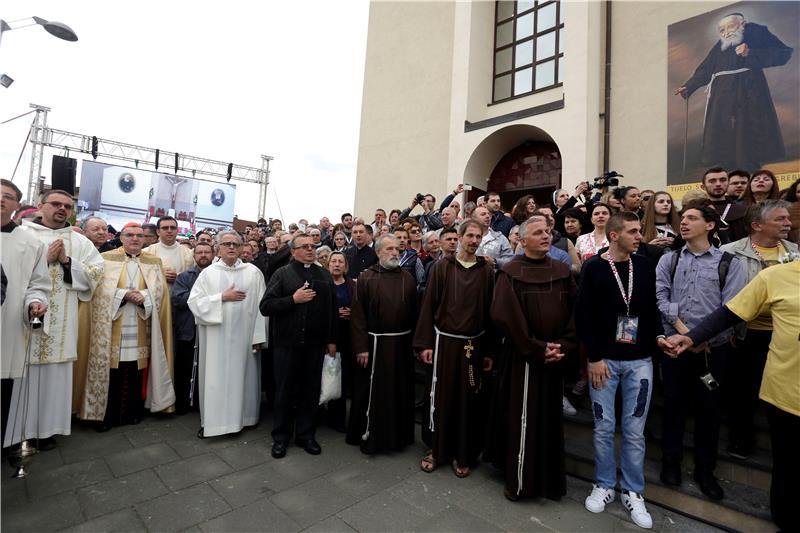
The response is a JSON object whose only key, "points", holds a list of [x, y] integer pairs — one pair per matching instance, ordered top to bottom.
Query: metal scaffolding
{"points": [[169, 162]]}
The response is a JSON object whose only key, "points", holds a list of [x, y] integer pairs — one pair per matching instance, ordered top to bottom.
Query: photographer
{"points": [[581, 194], [431, 218]]}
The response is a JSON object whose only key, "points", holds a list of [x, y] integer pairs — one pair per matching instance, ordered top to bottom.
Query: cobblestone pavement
{"points": [[159, 476]]}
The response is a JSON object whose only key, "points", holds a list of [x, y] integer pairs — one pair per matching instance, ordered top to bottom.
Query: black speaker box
{"points": [[63, 175]]}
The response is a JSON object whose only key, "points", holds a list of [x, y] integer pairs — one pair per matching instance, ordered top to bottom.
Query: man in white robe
{"points": [[174, 257], [24, 261], [75, 268], [224, 301]]}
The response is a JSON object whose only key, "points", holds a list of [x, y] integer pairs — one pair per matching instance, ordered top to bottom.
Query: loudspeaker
{"points": [[63, 175]]}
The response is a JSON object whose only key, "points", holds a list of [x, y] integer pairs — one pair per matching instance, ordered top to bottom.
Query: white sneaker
{"points": [[567, 407], [596, 501], [634, 503]]}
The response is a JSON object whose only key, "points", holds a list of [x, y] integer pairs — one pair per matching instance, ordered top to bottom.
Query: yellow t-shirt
{"points": [[771, 257], [776, 291]]}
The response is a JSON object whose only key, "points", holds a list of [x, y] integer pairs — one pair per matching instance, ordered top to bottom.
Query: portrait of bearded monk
{"points": [[738, 100]]}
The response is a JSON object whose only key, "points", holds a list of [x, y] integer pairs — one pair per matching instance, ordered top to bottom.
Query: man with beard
{"points": [[738, 101], [731, 212], [347, 222], [500, 222], [494, 248], [76, 269], [301, 299], [225, 301], [533, 303], [382, 321], [129, 333], [452, 335], [186, 394]]}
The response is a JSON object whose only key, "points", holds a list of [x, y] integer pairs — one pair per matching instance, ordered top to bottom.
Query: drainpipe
{"points": [[607, 91]]}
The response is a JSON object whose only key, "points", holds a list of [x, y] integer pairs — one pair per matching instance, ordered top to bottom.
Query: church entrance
{"points": [[533, 168]]}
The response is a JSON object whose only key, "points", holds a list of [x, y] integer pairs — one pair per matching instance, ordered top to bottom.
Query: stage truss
{"points": [[42, 136]]}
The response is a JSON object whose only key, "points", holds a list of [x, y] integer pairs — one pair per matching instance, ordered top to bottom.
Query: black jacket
{"points": [[359, 259], [182, 317], [308, 324]]}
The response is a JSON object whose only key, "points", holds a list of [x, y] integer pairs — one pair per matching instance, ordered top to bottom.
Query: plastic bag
{"points": [[331, 388]]}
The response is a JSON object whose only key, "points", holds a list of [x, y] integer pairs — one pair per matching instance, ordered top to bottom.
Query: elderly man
{"points": [[738, 94], [449, 218], [96, 230], [271, 244], [494, 247], [360, 255], [174, 257], [76, 268], [28, 285], [301, 300], [225, 301], [533, 303], [382, 318], [130, 333], [453, 335], [186, 394]]}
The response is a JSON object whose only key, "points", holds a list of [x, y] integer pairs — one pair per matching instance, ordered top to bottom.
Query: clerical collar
{"points": [[8, 228], [133, 256], [306, 265]]}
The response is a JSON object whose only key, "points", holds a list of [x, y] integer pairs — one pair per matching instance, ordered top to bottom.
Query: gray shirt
{"points": [[694, 291]]}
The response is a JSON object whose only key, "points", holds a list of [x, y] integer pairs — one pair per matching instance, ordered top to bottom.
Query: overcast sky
{"points": [[221, 80]]}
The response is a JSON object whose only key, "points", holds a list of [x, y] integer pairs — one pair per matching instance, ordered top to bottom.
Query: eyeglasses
{"points": [[645, 198], [59, 205], [168, 228], [415, 231], [133, 235], [230, 244], [304, 247]]}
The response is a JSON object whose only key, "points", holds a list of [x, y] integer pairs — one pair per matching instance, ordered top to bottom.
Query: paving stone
{"points": [[151, 434], [84, 445], [192, 446], [246, 454], [136, 459], [186, 472], [366, 479], [43, 483], [246, 486], [430, 493], [114, 494], [312, 501], [182, 509], [384, 512], [45, 514], [261, 515], [121, 520], [458, 520], [332, 524]]}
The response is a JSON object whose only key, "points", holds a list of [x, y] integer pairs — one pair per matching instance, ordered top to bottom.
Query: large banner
{"points": [[734, 92], [121, 195]]}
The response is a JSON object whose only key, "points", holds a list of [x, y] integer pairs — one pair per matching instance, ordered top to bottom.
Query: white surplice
{"points": [[53, 348], [230, 372]]}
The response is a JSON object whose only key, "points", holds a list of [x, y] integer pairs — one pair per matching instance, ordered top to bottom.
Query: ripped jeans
{"points": [[636, 379]]}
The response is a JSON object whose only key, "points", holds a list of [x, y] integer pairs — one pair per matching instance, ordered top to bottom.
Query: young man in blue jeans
{"points": [[618, 320]]}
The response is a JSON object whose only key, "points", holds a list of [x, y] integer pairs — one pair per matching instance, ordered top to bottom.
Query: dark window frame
{"points": [[512, 72]]}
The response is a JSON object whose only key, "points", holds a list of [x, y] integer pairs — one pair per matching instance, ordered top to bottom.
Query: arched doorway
{"points": [[514, 161], [534, 168]]}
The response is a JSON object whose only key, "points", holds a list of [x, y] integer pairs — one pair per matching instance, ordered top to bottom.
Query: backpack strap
{"points": [[722, 268]]}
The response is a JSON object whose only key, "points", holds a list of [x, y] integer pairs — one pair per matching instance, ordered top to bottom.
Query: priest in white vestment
{"points": [[174, 257], [24, 261], [75, 268], [224, 301], [129, 361]]}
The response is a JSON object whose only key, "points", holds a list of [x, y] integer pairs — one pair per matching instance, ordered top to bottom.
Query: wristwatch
{"points": [[68, 264], [661, 337]]}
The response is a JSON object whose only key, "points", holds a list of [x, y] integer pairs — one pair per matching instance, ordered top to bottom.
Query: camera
{"points": [[609, 179], [419, 198], [709, 381]]}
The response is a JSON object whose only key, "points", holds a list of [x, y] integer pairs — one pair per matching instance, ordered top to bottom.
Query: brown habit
{"points": [[457, 301], [385, 302], [533, 305]]}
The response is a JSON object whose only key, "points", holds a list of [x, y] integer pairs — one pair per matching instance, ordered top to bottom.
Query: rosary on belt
{"points": [[468, 348]]}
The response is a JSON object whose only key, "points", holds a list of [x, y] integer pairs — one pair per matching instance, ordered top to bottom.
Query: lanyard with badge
{"points": [[627, 325]]}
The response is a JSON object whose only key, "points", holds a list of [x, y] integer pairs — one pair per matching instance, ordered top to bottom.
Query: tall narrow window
{"points": [[528, 47]]}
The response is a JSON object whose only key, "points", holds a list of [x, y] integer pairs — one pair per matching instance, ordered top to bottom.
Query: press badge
{"points": [[627, 329]]}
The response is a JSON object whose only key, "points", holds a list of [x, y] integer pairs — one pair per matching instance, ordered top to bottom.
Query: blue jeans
{"points": [[636, 379]]}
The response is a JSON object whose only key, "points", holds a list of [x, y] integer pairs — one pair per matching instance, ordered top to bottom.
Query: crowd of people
{"points": [[504, 314]]}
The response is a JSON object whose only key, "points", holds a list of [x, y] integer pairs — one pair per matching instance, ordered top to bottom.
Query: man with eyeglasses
{"points": [[174, 257], [24, 261], [76, 268], [301, 303], [230, 330], [129, 334]]}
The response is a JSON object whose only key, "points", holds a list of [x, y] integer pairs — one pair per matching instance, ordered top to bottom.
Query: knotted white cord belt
{"points": [[710, 83], [440, 333], [375, 337], [523, 430]]}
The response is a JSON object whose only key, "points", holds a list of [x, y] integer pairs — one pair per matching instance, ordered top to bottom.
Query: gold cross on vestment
{"points": [[468, 349]]}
